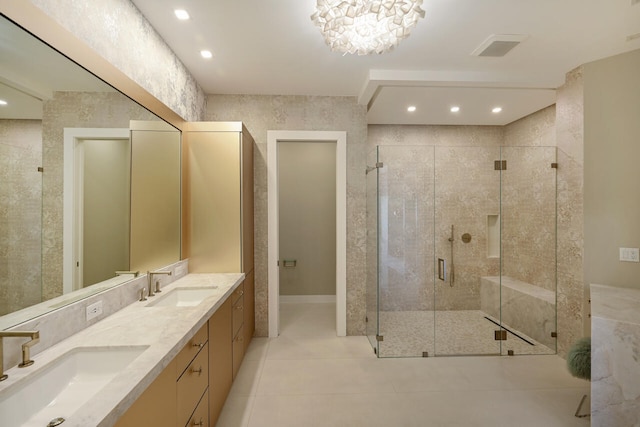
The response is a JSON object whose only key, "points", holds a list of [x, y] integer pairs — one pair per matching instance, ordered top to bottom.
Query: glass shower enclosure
{"points": [[461, 250]]}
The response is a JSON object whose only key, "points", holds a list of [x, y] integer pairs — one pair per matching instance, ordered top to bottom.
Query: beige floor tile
{"points": [[323, 347], [257, 350], [322, 376], [308, 377], [248, 378], [236, 412]]}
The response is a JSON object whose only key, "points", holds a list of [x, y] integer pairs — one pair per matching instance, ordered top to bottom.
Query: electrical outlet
{"points": [[630, 254], [181, 270], [94, 310]]}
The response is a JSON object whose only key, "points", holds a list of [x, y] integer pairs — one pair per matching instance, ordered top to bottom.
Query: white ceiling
{"points": [[272, 47]]}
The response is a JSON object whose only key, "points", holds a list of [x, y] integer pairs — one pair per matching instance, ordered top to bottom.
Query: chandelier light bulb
{"points": [[366, 26]]}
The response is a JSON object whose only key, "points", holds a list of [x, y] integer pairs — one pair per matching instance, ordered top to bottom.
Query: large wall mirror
{"points": [[89, 181]]}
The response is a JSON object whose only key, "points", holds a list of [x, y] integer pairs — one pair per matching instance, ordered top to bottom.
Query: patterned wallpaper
{"points": [[122, 35], [570, 139], [20, 213]]}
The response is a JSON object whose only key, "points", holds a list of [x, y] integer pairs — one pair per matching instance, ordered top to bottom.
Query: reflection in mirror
{"points": [[65, 158]]}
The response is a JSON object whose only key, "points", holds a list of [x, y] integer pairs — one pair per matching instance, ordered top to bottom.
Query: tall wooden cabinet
{"points": [[218, 230]]}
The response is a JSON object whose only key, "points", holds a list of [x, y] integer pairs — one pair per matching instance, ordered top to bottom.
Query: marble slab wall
{"points": [[20, 214], [615, 356]]}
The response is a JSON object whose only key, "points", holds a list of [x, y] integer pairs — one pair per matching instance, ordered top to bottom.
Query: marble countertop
{"points": [[621, 304], [165, 330]]}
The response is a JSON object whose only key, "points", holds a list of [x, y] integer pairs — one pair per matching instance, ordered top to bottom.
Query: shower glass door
{"points": [[372, 249], [467, 250], [529, 250], [405, 251]]}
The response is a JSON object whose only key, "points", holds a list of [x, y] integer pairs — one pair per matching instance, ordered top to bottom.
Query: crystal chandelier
{"points": [[366, 26]]}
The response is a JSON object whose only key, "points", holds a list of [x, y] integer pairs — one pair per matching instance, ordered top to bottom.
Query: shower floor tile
{"points": [[460, 332]]}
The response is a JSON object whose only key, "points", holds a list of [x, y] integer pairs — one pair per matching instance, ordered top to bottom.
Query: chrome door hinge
{"points": [[500, 165], [500, 335], [379, 338]]}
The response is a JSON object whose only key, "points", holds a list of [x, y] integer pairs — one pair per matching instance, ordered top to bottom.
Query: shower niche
{"points": [[461, 253]]}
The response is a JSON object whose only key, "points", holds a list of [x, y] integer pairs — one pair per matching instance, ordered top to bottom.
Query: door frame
{"points": [[340, 139], [72, 233]]}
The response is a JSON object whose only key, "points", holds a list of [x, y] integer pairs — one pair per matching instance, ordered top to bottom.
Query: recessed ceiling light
{"points": [[181, 14], [206, 54], [3, 102], [411, 109], [455, 109], [496, 109]]}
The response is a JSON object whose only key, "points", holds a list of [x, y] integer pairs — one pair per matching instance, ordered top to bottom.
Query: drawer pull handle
{"points": [[241, 293], [239, 307], [198, 344], [197, 371], [200, 423]]}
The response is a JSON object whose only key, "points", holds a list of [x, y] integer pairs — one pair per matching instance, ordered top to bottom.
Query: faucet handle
{"points": [[158, 286], [143, 294]]}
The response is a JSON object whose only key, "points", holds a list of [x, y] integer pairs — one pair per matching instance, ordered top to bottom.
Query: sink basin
{"points": [[183, 297], [64, 385]]}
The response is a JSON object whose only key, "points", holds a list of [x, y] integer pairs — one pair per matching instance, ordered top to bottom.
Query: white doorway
{"points": [[339, 139], [74, 181]]}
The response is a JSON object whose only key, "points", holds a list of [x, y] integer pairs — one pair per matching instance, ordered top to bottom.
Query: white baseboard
{"points": [[307, 299]]}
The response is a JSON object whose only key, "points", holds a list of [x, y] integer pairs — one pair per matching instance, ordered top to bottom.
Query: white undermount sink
{"points": [[183, 297], [64, 385]]}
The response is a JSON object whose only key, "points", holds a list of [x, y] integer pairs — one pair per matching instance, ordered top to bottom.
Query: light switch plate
{"points": [[630, 254]]}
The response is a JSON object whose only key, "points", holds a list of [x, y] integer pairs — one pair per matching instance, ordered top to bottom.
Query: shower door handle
{"points": [[442, 269]]}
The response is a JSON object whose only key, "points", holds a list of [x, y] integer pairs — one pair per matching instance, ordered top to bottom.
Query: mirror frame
{"points": [[40, 25]]}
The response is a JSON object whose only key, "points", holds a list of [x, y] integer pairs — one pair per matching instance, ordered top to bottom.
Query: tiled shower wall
{"points": [[466, 191], [20, 213]]}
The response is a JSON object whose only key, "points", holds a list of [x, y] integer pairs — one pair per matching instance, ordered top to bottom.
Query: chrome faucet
{"points": [[150, 275], [26, 348]]}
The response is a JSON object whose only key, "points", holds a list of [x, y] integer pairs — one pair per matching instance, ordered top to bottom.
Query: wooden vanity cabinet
{"points": [[220, 359], [195, 385], [157, 406]]}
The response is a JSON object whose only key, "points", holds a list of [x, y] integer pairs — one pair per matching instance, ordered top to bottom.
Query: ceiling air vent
{"points": [[499, 44]]}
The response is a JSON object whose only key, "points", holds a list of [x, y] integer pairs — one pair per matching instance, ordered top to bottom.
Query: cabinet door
{"points": [[215, 202], [220, 359], [192, 385], [157, 405]]}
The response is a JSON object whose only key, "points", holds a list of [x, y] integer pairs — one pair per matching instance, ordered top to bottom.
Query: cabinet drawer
{"points": [[237, 293], [238, 315], [192, 348], [238, 351], [192, 385], [200, 417]]}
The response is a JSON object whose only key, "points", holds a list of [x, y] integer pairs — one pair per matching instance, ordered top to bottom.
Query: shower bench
{"points": [[527, 308]]}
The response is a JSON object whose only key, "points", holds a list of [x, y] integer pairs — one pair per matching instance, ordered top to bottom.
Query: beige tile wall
{"points": [[570, 141], [20, 213]]}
